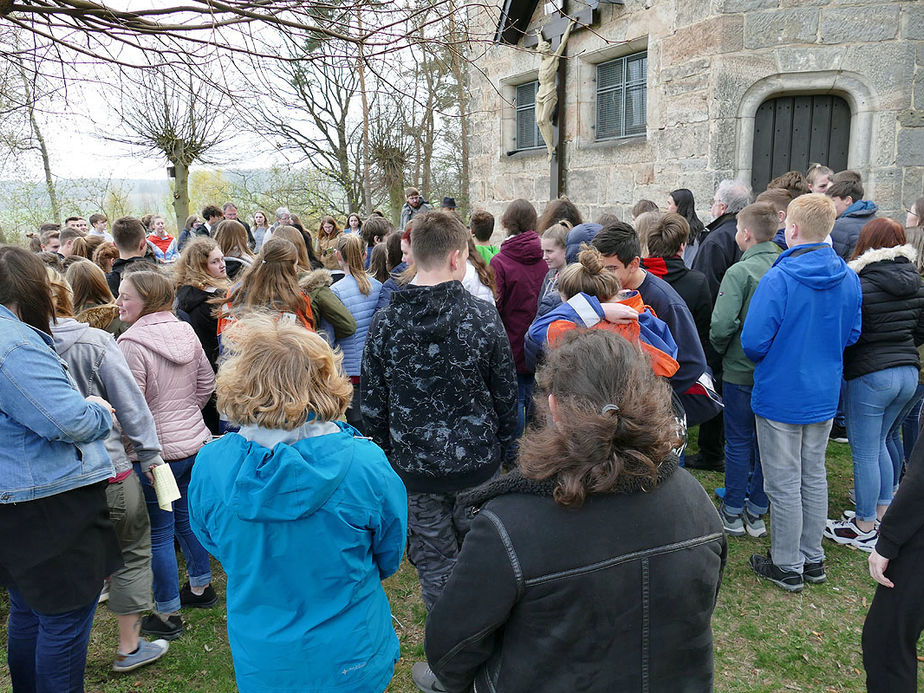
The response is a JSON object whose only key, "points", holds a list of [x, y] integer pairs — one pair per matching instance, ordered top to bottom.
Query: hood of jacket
{"points": [[861, 208], [578, 236], [524, 248], [814, 265], [670, 269], [890, 269], [314, 280], [189, 297], [430, 311], [99, 316], [66, 332], [166, 336], [287, 475]]}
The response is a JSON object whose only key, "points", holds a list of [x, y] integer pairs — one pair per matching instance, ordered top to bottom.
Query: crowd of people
{"points": [[308, 406]]}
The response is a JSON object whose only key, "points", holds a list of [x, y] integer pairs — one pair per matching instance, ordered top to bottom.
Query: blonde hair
{"points": [[816, 171], [814, 214], [643, 224], [558, 233], [353, 251], [192, 267], [588, 275], [154, 288], [61, 294], [275, 373]]}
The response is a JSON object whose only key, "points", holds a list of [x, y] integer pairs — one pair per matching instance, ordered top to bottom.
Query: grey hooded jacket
{"points": [[98, 367]]}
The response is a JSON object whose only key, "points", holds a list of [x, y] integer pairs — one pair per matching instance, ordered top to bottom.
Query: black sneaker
{"points": [[838, 434], [697, 461], [764, 566], [814, 573], [206, 600], [156, 627]]}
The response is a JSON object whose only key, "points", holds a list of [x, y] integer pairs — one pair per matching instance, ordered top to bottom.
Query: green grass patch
{"points": [[766, 640]]}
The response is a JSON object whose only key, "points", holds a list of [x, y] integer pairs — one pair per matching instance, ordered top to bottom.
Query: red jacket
{"points": [[519, 271]]}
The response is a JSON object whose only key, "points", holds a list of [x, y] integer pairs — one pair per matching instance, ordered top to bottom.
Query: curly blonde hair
{"points": [[276, 373]]}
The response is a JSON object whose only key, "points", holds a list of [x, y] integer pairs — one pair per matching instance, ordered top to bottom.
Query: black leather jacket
{"points": [[616, 595]]}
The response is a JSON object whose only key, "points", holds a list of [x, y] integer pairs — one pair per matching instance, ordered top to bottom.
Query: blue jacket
{"points": [[847, 226], [390, 286], [362, 308], [585, 310], [805, 311], [51, 439], [306, 523]]}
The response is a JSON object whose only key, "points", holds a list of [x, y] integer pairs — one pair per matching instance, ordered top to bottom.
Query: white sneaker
{"points": [[847, 533]]}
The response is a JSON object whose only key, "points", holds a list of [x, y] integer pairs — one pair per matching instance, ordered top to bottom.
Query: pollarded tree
{"points": [[177, 118]]}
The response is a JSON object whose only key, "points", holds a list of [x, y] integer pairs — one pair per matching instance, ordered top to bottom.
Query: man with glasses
{"points": [[415, 205]]}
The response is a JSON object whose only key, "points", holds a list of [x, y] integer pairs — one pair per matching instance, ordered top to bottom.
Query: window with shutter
{"points": [[622, 96], [527, 136]]}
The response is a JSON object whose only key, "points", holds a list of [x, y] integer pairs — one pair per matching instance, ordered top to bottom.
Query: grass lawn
{"points": [[765, 640]]}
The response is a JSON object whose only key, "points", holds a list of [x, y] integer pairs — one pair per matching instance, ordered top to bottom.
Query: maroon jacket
{"points": [[519, 271]]}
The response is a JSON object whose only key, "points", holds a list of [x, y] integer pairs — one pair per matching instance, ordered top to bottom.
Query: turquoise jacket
{"points": [[306, 524]]}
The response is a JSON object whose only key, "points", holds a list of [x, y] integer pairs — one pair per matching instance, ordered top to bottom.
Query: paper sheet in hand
{"points": [[165, 486]]}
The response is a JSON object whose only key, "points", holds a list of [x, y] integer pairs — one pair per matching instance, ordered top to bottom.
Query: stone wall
{"points": [[710, 65]]}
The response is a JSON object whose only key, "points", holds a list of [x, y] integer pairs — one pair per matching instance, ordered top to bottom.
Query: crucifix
{"points": [[550, 42]]}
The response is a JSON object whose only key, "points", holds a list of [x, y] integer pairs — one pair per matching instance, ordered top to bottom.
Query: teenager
{"points": [[231, 236], [129, 237], [161, 242], [201, 282], [360, 294], [94, 304], [175, 376], [306, 518], [57, 543], [515, 615]]}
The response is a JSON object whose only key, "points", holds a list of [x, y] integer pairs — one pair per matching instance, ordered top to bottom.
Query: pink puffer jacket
{"points": [[174, 374]]}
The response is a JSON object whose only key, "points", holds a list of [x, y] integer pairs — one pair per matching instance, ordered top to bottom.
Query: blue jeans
{"points": [[525, 383], [874, 402], [911, 422], [744, 478], [164, 526], [47, 652]]}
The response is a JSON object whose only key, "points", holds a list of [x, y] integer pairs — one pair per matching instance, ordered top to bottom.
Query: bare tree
{"points": [[312, 113], [174, 117]]}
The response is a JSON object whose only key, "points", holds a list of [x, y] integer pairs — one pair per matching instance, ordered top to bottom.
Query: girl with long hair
{"points": [[681, 202], [354, 224], [260, 225], [328, 233], [231, 237], [554, 242], [479, 277], [201, 281], [271, 284], [360, 294], [94, 303], [331, 317], [881, 374], [177, 380], [57, 542]]}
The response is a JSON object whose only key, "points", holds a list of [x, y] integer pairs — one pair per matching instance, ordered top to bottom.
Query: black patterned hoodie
{"points": [[439, 389]]}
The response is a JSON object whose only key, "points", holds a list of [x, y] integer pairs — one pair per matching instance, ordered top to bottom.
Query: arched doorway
{"points": [[790, 132]]}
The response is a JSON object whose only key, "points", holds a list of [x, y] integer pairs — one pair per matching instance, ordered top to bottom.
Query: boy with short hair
{"points": [[779, 198], [853, 212], [98, 224], [482, 225], [67, 237], [130, 239], [51, 241], [805, 311], [439, 394], [745, 501]]}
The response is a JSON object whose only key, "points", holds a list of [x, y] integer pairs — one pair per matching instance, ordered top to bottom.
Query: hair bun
{"points": [[591, 260]]}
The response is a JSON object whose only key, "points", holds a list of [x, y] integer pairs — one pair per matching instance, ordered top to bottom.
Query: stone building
{"points": [[662, 94]]}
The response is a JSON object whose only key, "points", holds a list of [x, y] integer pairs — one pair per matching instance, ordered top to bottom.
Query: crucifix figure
{"points": [[547, 96]]}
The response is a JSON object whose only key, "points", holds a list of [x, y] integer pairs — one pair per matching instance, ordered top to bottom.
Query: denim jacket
{"points": [[51, 438]]}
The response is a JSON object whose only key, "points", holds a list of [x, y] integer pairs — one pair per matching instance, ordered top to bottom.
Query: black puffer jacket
{"points": [[195, 303], [893, 312], [616, 595]]}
